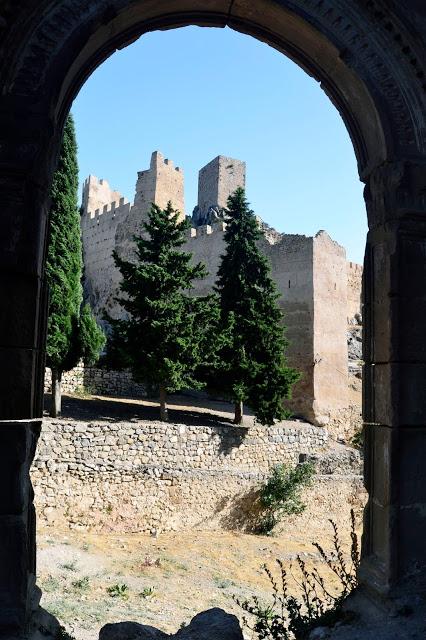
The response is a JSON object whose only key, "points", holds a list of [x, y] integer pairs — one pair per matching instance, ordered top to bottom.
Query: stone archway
{"points": [[370, 59]]}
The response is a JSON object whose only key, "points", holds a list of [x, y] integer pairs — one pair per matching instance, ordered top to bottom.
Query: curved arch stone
{"points": [[370, 58]]}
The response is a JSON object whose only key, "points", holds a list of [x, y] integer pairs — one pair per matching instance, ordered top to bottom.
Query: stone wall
{"points": [[354, 291], [330, 361], [98, 382], [140, 476]]}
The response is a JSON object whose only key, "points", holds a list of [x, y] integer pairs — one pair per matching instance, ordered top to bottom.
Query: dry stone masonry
{"points": [[312, 273], [92, 380], [147, 475]]}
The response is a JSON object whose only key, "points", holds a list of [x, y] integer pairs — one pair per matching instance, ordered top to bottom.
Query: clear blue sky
{"points": [[195, 93]]}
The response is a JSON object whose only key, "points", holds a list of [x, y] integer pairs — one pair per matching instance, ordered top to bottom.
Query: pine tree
{"points": [[166, 334], [65, 345], [252, 366]]}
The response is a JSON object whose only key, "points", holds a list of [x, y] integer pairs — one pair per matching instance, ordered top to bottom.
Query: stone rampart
{"points": [[146, 476]]}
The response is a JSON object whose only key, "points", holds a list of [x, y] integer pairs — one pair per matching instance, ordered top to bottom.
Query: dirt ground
{"points": [[90, 579]]}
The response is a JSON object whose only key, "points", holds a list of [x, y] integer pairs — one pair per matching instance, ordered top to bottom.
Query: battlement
{"points": [[97, 194], [105, 215], [206, 229], [355, 268]]}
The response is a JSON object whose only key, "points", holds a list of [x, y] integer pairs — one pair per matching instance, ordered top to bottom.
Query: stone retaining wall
{"points": [[97, 382], [149, 476]]}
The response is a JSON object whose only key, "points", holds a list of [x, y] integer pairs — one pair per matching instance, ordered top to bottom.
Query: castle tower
{"points": [[216, 181], [159, 184], [96, 194]]}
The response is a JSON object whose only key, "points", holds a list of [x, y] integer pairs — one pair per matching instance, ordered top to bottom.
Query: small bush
{"points": [[280, 495], [83, 584], [118, 591], [148, 592], [287, 617]]}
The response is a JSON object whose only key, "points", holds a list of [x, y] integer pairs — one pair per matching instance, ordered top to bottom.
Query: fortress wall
{"points": [[98, 236], [206, 245], [291, 263], [291, 269], [354, 275], [330, 318]]}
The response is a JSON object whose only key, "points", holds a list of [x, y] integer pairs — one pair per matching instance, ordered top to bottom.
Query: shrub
{"points": [[280, 495], [288, 617]]}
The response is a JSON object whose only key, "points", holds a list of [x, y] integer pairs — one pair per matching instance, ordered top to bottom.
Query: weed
{"points": [[280, 495], [85, 546], [70, 566], [83, 584], [118, 591], [148, 592], [288, 617]]}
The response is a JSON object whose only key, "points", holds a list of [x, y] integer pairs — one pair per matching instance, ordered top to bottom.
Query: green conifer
{"points": [[166, 334], [65, 345], [252, 365]]}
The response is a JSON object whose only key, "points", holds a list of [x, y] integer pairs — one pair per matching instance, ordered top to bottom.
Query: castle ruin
{"points": [[320, 290]]}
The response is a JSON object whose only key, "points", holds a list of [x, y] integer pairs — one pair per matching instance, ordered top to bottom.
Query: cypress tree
{"points": [[166, 334], [65, 345], [252, 365]]}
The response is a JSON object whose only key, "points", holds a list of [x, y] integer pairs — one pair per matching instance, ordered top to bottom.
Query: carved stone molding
{"points": [[371, 39], [395, 190]]}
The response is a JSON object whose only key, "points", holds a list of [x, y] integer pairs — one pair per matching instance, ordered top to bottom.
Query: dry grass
{"points": [[168, 579]]}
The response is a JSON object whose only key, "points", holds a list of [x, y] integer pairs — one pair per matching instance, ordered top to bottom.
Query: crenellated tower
{"points": [[159, 184]]}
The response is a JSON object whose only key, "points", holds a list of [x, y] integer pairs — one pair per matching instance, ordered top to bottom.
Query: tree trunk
{"points": [[55, 407], [163, 408], [239, 416]]}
